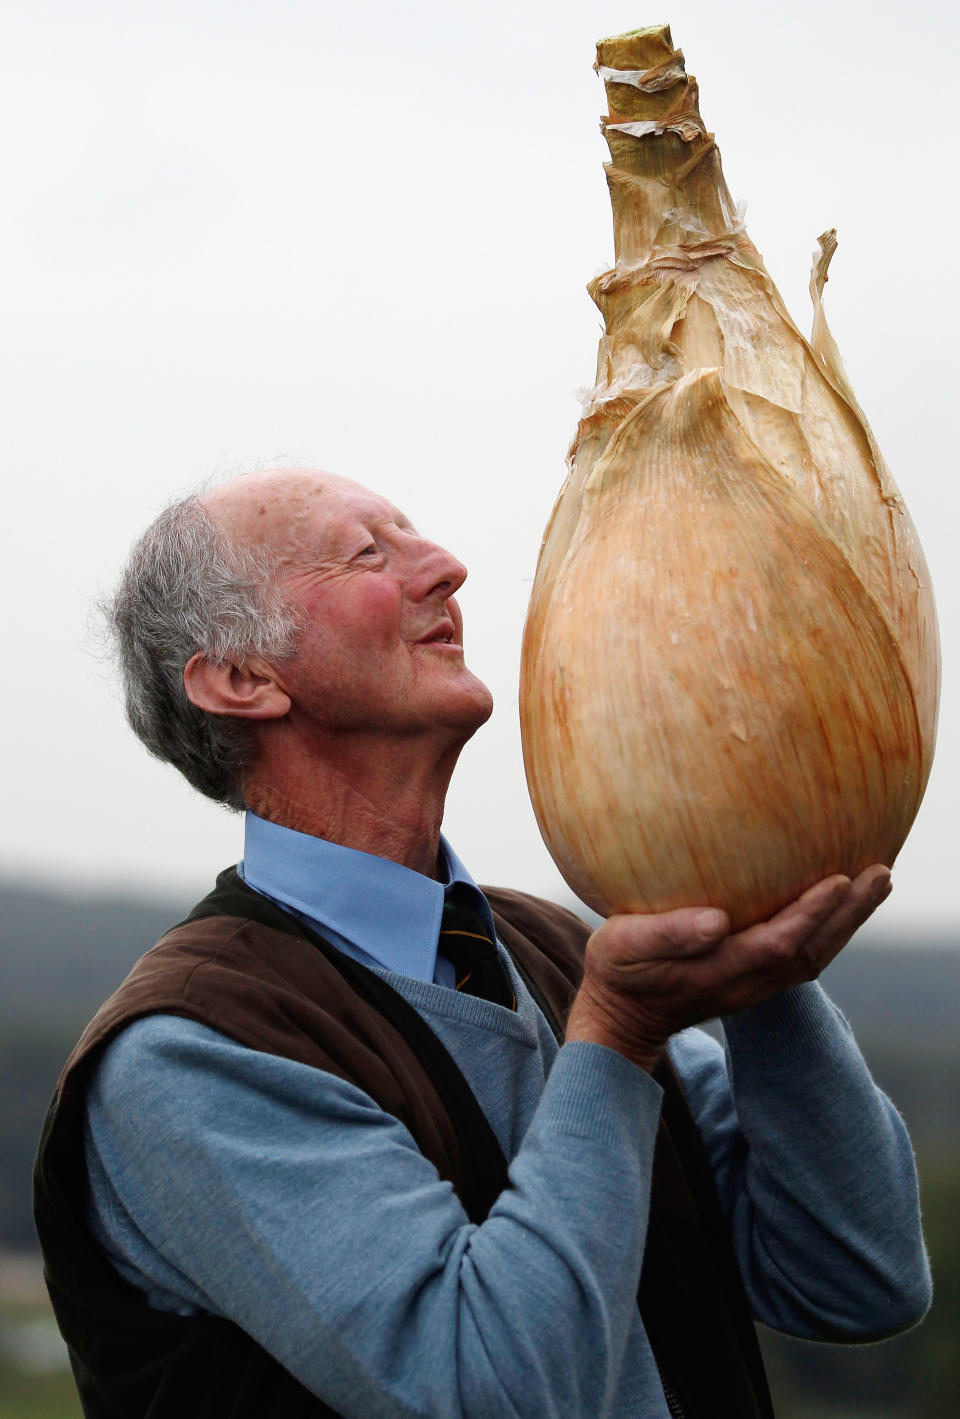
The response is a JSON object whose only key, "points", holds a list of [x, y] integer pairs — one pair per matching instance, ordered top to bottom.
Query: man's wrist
{"points": [[595, 1020]]}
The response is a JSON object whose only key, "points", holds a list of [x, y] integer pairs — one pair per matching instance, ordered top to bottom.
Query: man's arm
{"points": [[815, 1166], [814, 1169], [285, 1199]]}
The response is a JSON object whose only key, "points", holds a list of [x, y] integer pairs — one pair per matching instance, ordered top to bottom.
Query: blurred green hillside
{"points": [[60, 955]]}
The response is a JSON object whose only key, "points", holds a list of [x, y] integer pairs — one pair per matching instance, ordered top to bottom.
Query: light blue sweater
{"points": [[355, 1265]]}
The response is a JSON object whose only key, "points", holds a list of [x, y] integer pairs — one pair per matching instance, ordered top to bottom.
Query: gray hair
{"points": [[188, 588]]}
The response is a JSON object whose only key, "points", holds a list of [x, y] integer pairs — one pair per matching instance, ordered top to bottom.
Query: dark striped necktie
{"points": [[465, 942]]}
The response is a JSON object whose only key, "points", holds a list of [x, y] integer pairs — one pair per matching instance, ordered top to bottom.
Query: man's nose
{"points": [[437, 572]]}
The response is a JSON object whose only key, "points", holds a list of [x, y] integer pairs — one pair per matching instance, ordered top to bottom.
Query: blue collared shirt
{"points": [[340, 892]]}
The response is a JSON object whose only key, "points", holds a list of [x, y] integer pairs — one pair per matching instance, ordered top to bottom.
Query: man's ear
{"points": [[247, 691]]}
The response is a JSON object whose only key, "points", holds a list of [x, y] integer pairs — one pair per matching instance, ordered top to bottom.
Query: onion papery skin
{"points": [[730, 668]]}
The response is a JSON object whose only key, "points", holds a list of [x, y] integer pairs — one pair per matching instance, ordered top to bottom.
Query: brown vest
{"points": [[241, 965]]}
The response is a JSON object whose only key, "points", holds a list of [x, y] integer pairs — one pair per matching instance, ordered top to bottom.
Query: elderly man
{"points": [[357, 1138]]}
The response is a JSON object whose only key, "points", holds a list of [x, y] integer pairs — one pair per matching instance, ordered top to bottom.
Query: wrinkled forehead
{"points": [[287, 512]]}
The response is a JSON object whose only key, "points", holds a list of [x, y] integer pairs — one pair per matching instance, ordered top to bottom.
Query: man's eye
{"points": [[370, 551]]}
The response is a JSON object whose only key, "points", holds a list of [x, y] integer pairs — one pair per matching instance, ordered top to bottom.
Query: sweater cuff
{"points": [[786, 1028], [595, 1093]]}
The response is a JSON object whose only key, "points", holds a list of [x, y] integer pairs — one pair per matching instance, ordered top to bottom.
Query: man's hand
{"points": [[646, 977]]}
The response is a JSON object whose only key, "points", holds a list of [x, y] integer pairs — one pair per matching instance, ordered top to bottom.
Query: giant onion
{"points": [[730, 665]]}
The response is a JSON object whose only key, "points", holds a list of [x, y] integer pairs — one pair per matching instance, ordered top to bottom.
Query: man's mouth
{"points": [[442, 634]]}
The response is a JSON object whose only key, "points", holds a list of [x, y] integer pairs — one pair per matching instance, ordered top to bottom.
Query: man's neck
{"points": [[390, 805]]}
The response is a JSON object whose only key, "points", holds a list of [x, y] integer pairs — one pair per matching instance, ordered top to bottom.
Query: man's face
{"points": [[381, 643]]}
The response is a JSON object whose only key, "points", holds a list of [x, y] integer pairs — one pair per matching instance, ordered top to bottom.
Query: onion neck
{"points": [[666, 183]]}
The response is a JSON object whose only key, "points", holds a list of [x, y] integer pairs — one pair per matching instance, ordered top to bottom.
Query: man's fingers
{"points": [[873, 886], [867, 891], [815, 906], [815, 927], [663, 936], [648, 976]]}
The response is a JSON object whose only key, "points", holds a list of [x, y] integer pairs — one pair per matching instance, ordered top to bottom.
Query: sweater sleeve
{"points": [[815, 1171], [284, 1199]]}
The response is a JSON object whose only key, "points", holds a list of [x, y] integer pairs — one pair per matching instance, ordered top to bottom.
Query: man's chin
{"points": [[483, 708], [474, 709]]}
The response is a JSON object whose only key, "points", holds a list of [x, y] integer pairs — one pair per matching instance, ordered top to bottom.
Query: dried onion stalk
{"points": [[730, 665]]}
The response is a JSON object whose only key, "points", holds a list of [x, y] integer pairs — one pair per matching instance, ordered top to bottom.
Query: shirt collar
{"points": [[380, 909]]}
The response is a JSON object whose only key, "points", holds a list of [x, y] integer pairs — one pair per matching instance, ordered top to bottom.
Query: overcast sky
{"points": [[358, 237]]}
